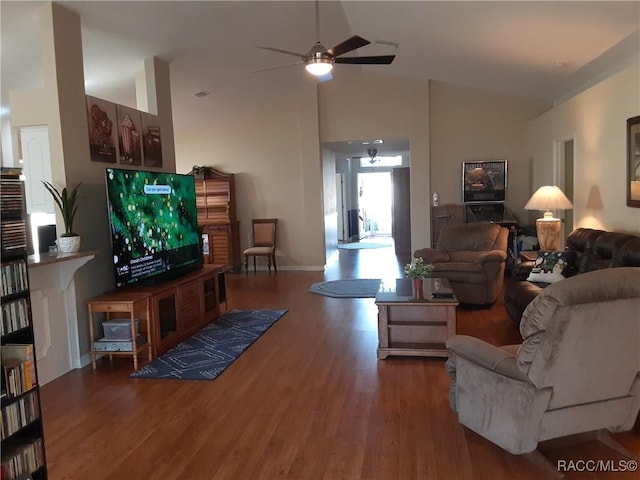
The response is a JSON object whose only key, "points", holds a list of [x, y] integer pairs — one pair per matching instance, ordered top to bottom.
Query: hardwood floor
{"points": [[308, 400]]}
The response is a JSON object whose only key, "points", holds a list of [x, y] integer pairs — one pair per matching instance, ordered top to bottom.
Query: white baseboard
{"points": [[293, 268]]}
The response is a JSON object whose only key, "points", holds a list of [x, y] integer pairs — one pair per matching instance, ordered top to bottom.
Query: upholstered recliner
{"points": [[593, 250], [472, 256], [577, 370]]}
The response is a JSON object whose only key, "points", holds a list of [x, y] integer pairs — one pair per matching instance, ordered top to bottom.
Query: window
{"points": [[394, 161]]}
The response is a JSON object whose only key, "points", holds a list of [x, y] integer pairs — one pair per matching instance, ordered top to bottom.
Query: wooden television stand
{"points": [[167, 313]]}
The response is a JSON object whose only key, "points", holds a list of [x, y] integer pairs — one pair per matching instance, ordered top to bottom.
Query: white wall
{"points": [[61, 105], [364, 106], [596, 119], [469, 124], [274, 152]]}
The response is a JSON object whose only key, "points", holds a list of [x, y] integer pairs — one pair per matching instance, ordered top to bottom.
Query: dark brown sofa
{"points": [[594, 249]]}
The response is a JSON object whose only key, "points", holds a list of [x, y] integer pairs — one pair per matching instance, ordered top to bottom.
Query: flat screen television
{"points": [[154, 225]]}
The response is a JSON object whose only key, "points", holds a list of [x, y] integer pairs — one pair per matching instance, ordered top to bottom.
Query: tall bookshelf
{"points": [[23, 455]]}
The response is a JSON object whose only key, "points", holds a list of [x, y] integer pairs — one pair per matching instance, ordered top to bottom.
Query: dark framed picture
{"points": [[129, 135], [103, 139], [151, 141], [633, 162], [484, 181]]}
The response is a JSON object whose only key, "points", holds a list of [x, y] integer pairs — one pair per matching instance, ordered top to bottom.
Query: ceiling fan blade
{"points": [[348, 45], [286, 52], [376, 60], [279, 66]]}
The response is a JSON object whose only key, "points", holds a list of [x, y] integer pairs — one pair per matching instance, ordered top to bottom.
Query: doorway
{"points": [[563, 173], [568, 184], [374, 204]]}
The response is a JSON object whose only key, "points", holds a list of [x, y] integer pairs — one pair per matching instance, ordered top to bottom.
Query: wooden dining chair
{"points": [[264, 243]]}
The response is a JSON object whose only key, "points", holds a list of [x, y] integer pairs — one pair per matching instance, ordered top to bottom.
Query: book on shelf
{"points": [[14, 238], [14, 277], [15, 316], [19, 369], [18, 377], [20, 413], [22, 457]]}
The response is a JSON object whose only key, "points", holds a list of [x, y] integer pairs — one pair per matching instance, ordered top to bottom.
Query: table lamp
{"points": [[548, 227]]}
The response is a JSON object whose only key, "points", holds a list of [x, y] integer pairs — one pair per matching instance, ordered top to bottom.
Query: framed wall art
{"points": [[101, 116], [129, 135], [151, 141], [633, 162], [484, 181]]}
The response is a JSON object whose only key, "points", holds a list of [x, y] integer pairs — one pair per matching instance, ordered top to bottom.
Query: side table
{"points": [[123, 305], [415, 322]]}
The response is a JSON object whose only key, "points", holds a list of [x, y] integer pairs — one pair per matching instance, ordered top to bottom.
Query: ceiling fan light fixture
{"points": [[319, 66], [373, 154]]}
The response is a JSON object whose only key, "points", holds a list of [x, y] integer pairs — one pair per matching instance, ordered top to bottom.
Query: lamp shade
{"points": [[548, 197]]}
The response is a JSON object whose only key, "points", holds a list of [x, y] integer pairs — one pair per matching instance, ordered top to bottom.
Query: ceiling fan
{"points": [[319, 60], [372, 156]]}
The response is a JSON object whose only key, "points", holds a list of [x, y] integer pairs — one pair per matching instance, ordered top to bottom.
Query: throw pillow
{"points": [[551, 267]]}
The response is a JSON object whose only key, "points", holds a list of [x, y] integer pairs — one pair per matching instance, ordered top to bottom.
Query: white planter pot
{"points": [[69, 244]]}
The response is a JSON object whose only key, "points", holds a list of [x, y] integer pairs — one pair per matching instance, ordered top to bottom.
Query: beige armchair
{"points": [[472, 256], [577, 370]]}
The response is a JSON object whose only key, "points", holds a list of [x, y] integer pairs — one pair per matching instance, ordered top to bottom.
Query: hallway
{"points": [[366, 263]]}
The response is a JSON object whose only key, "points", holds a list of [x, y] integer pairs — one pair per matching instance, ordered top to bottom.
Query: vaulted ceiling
{"points": [[538, 49]]}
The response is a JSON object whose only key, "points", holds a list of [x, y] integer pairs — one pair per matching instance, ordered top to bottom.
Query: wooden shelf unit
{"points": [[215, 198], [224, 244], [127, 306], [182, 307], [168, 312], [22, 428]]}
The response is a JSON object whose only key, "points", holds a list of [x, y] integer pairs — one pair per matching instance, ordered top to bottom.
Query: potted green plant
{"points": [[201, 172], [67, 202], [417, 270]]}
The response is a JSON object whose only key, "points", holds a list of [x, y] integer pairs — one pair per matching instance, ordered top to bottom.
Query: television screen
{"points": [[154, 225]]}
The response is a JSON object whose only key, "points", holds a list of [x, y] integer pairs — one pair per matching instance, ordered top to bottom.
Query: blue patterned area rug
{"points": [[351, 288], [207, 353]]}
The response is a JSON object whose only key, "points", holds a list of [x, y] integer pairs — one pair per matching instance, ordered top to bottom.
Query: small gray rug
{"points": [[363, 245], [352, 288]]}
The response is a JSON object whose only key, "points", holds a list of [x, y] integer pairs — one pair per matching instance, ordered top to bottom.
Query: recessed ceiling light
{"points": [[202, 93]]}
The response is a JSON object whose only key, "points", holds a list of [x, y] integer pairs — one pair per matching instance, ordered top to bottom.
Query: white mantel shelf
{"points": [[38, 260], [55, 316]]}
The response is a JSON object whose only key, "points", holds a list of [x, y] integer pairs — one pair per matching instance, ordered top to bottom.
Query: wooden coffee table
{"points": [[415, 323]]}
